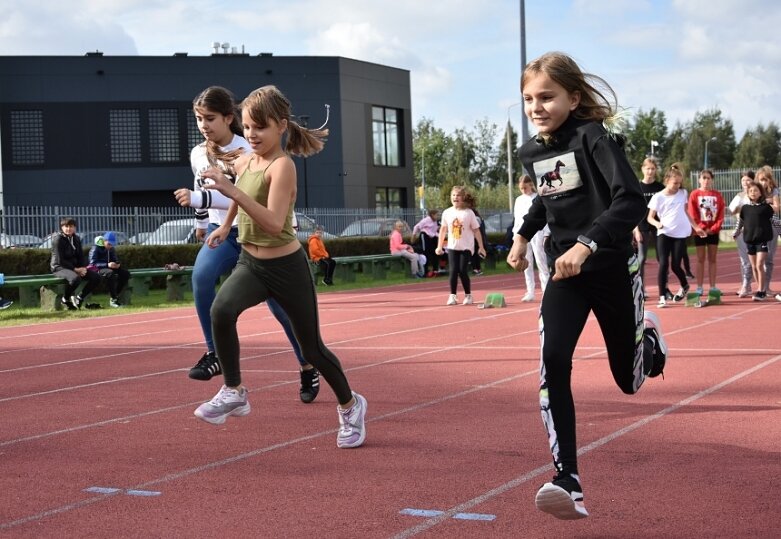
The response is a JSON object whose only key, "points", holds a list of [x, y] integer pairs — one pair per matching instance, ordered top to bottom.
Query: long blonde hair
{"points": [[597, 99], [267, 103]]}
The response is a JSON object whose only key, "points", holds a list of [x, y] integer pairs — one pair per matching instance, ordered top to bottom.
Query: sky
{"points": [[464, 57]]}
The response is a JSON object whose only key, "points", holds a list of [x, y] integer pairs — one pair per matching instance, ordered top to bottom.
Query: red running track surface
{"points": [[453, 426]]}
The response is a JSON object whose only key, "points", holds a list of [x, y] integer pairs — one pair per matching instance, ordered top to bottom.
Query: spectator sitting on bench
{"points": [[399, 248], [319, 255], [104, 260], [69, 262]]}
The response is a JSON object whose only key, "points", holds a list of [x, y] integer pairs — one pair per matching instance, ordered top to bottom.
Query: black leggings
{"points": [[429, 244], [665, 248], [459, 267], [288, 280], [615, 295]]}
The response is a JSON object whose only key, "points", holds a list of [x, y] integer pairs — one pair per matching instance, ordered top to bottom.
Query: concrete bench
{"points": [[375, 265], [46, 290]]}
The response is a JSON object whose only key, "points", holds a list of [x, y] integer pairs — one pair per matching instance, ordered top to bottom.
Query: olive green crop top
{"points": [[255, 186]]}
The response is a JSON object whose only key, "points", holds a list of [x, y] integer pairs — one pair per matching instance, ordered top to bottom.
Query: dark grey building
{"points": [[117, 130]]}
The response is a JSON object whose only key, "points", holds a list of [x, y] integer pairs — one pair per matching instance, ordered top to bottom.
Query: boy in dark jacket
{"points": [[103, 259], [68, 261]]}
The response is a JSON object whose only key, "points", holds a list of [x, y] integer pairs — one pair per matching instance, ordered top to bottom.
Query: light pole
{"points": [[304, 121], [712, 139], [654, 144], [510, 157], [423, 180]]}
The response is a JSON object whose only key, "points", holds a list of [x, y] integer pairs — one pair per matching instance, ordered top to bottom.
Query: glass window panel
{"points": [[125, 135], [164, 135], [27, 137]]}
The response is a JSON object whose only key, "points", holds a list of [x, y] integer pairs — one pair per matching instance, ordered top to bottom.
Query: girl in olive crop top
{"points": [[272, 263]]}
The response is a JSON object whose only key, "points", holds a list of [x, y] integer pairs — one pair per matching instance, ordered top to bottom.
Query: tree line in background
{"points": [[476, 160]]}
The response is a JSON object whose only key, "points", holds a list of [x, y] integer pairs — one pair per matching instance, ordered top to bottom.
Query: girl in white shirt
{"points": [[667, 212], [461, 227], [537, 243]]}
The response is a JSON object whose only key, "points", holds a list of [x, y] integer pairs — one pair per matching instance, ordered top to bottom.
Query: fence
{"points": [[138, 222]]}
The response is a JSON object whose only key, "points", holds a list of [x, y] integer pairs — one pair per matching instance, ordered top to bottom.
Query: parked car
{"points": [[498, 222], [306, 226], [381, 226], [172, 233], [87, 238], [138, 239], [10, 241]]}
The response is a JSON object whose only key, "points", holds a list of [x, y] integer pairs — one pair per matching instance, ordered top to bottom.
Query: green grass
{"points": [[156, 300]]}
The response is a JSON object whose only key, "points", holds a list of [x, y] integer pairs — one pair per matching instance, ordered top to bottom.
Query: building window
{"points": [[385, 133], [125, 135], [163, 135], [194, 136], [27, 137], [389, 198]]}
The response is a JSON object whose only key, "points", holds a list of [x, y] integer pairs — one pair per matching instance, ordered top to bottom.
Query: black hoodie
{"points": [[586, 187]]}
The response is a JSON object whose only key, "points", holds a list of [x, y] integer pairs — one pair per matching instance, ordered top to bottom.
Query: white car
{"points": [[173, 233], [8, 241]]}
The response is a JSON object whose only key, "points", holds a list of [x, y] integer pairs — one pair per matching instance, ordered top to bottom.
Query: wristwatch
{"points": [[588, 242]]}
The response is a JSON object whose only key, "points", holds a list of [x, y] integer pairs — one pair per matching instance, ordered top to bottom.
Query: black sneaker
{"points": [[681, 295], [76, 301], [68, 305], [653, 331], [206, 367], [310, 385], [562, 497]]}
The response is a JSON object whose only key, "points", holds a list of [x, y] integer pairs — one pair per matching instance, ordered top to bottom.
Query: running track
{"points": [[98, 437]]}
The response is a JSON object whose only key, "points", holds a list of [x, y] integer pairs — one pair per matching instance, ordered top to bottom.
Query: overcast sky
{"points": [[680, 56]]}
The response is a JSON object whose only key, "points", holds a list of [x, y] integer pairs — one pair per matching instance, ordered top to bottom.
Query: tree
{"points": [[705, 127], [647, 128], [762, 146], [430, 148], [501, 158], [483, 167]]}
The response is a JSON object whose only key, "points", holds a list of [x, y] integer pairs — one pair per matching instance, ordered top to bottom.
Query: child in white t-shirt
{"points": [[461, 227]]}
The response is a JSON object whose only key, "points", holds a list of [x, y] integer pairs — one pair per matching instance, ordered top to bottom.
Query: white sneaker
{"points": [[528, 297], [778, 298], [468, 299], [452, 300], [662, 302], [225, 403], [352, 428]]}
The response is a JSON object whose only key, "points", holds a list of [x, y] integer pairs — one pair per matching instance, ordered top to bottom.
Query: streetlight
{"points": [[303, 120], [712, 139], [654, 144], [510, 157]]}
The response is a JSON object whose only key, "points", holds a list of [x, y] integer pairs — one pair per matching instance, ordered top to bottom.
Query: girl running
{"points": [[218, 121], [590, 198], [273, 263]]}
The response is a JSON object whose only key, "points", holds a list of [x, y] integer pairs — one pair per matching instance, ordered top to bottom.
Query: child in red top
{"points": [[706, 207]]}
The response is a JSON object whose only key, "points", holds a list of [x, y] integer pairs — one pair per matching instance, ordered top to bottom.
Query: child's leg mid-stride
{"points": [[287, 279], [635, 349]]}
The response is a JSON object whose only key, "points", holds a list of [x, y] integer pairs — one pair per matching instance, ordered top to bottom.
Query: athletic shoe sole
{"points": [[220, 419], [558, 502]]}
